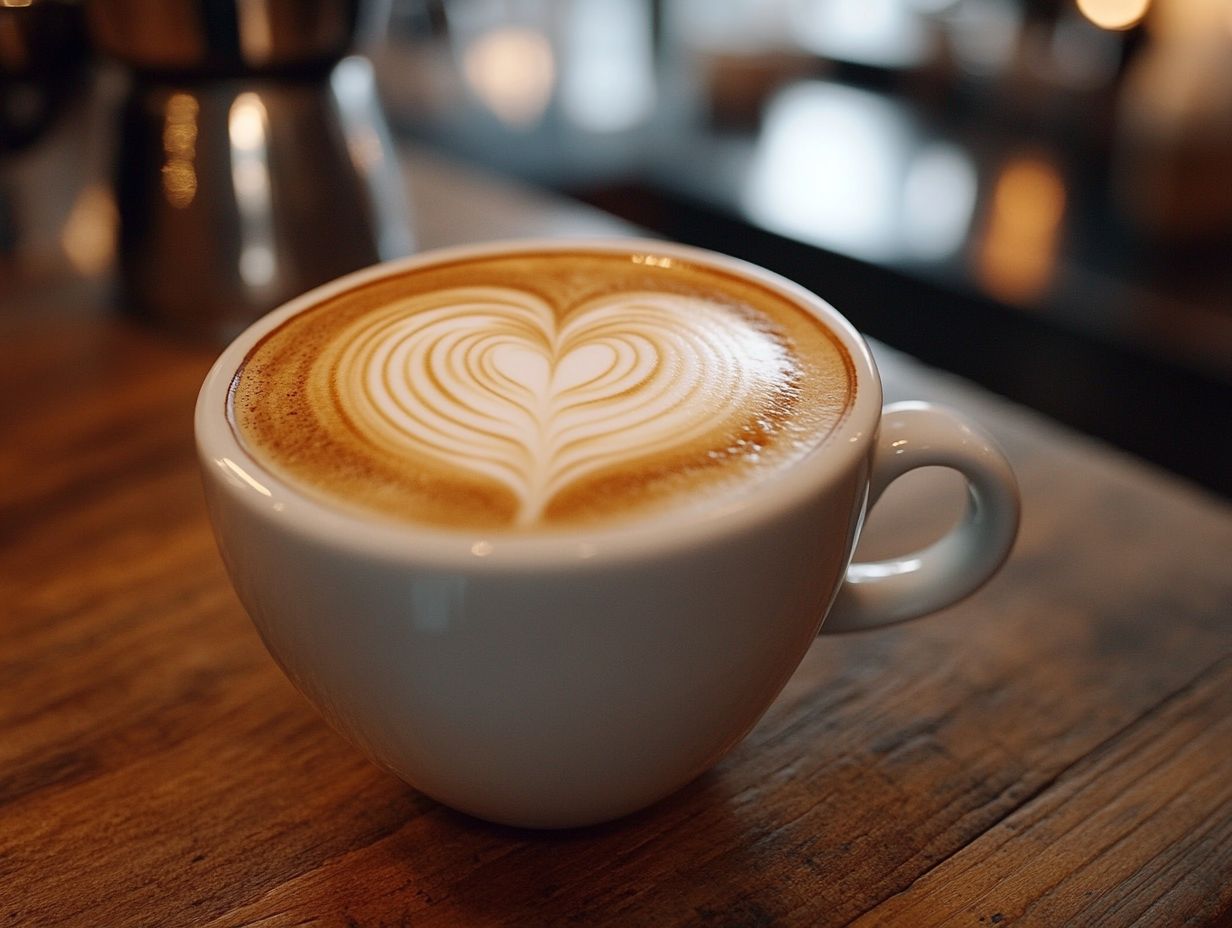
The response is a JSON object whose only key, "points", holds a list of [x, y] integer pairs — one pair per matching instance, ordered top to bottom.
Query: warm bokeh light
{"points": [[1114, 14], [1189, 19], [256, 32], [512, 70], [246, 125], [247, 130], [180, 150], [89, 232], [1018, 255]]}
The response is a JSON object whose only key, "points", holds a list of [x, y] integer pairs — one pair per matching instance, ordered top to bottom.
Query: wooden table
{"points": [[1056, 750]]}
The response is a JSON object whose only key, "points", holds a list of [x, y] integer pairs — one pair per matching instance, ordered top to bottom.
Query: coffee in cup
{"points": [[542, 390]]}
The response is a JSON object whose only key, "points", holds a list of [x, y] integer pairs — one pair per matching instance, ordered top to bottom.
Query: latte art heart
{"points": [[490, 381], [541, 391]]}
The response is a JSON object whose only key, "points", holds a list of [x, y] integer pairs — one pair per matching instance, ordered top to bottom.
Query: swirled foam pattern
{"points": [[484, 379], [503, 397]]}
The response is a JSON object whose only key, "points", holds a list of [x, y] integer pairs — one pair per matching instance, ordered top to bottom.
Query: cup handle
{"points": [[915, 435]]}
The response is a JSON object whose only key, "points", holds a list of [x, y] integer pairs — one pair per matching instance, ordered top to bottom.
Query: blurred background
{"points": [[1034, 194]]}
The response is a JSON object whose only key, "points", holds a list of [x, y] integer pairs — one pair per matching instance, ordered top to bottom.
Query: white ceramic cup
{"points": [[567, 679]]}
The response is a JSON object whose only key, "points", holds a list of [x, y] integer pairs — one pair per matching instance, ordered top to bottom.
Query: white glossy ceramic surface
{"points": [[570, 678]]}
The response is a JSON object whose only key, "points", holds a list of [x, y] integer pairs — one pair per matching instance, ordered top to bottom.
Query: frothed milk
{"points": [[541, 390]]}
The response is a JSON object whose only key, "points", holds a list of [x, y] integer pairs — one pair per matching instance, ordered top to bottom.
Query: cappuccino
{"points": [[536, 390]]}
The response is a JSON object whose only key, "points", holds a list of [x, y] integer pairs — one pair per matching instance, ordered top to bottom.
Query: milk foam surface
{"points": [[539, 391]]}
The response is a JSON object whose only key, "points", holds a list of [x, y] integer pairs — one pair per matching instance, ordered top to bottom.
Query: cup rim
{"points": [[236, 472]]}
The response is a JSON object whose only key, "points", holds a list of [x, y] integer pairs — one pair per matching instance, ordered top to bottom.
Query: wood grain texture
{"points": [[1053, 751]]}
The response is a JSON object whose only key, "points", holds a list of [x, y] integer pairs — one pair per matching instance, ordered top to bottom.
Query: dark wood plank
{"points": [[1051, 750], [1135, 833]]}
